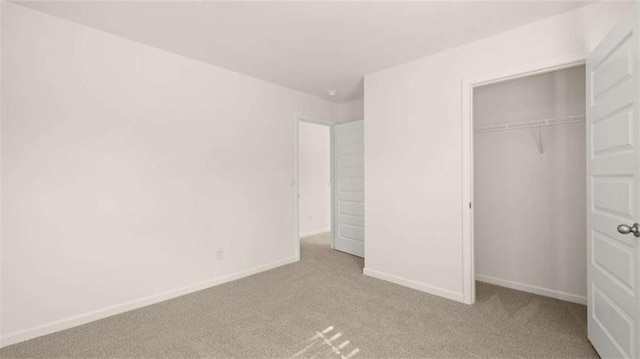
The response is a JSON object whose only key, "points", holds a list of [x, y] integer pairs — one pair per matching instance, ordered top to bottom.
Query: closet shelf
{"points": [[531, 124]]}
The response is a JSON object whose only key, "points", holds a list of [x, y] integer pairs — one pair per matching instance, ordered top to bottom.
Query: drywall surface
{"points": [[555, 94], [351, 111], [413, 145], [1, 168], [132, 174], [314, 177], [529, 207]]}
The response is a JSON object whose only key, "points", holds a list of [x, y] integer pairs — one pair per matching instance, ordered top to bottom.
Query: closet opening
{"points": [[529, 184]]}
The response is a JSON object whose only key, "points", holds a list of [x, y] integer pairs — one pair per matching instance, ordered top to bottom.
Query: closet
{"points": [[529, 167]]}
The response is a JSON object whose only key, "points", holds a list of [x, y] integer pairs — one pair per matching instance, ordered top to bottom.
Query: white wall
{"points": [[2, 5], [553, 94], [351, 111], [413, 145], [125, 170], [314, 178], [530, 217]]}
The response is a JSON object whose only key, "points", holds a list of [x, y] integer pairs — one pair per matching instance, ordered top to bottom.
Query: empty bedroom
{"points": [[319, 179]]}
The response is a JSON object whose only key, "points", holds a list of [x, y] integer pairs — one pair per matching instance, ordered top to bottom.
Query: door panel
{"points": [[613, 167], [349, 188]]}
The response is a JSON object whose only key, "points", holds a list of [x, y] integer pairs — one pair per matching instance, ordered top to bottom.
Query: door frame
{"points": [[468, 85], [296, 180]]}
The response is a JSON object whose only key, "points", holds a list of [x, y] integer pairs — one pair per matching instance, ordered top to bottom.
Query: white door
{"points": [[613, 182], [348, 233]]}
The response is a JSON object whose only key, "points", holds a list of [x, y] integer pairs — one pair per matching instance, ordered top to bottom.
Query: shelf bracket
{"points": [[539, 140]]}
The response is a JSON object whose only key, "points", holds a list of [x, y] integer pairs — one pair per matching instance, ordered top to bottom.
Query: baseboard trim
{"points": [[314, 232], [441, 292], [552, 293], [85, 318]]}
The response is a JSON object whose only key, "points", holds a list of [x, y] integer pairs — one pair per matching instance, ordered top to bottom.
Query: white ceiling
{"points": [[307, 46]]}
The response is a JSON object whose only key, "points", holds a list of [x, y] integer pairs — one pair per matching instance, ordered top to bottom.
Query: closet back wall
{"points": [[530, 219]]}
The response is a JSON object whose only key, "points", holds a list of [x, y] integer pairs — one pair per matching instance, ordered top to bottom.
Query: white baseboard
{"points": [[314, 232], [446, 293], [574, 298], [77, 320]]}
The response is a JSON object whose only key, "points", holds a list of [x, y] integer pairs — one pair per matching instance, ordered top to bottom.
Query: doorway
{"points": [[468, 137], [529, 178], [314, 179], [612, 184], [329, 196]]}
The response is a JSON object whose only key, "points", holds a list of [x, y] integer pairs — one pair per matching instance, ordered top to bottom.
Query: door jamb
{"points": [[550, 65], [296, 181]]}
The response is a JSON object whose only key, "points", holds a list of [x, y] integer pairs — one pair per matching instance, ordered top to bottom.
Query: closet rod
{"points": [[530, 124]]}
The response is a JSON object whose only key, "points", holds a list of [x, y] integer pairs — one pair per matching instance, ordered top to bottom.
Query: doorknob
{"points": [[635, 229]]}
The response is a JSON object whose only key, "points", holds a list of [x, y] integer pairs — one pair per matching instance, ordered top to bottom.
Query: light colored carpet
{"points": [[324, 307]]}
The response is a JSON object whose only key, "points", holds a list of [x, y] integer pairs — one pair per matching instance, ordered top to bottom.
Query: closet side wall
{"points": [[530, 220]]}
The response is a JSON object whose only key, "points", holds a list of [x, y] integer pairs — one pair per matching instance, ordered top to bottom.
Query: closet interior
{"points": [[529, 168]]}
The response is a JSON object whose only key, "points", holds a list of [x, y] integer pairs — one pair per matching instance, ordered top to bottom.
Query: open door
{"points": [[613, 185], [348, 231]]}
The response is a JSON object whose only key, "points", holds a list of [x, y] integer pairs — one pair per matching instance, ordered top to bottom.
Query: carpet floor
{"points": [[323, 307]]}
